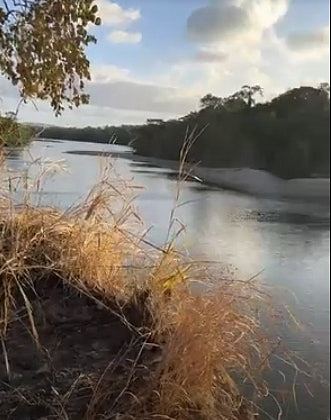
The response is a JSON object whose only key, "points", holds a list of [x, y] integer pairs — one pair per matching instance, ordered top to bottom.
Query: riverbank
{"points": [[287, 136], [245, 180], [251, 181], [262, 183], [97, 322]]}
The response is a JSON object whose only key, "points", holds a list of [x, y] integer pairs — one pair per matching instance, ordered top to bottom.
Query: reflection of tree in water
{"points": [[14, 153], [163, 174], [289, 218]]}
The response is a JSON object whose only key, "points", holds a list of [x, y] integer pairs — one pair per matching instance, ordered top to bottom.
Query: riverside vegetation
{"points": [[236, 131], [14, 134], [96, 322]]}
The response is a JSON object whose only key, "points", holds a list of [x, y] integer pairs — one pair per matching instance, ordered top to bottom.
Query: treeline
{"points": [[108, 134], [288, 136]]}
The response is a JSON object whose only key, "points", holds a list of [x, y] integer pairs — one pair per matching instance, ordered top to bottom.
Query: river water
{"points": [[288, 240]]}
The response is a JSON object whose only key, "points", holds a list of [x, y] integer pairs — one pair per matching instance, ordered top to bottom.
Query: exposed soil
{"points": [[88, 362]]}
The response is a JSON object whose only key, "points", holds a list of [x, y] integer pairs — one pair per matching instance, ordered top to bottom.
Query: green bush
{"points": [[14, 134]]}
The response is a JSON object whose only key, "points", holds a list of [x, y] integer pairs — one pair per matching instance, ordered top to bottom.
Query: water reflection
{"points": [[49, 141], [123, 152], [13, 153], [157, 173], [288, 217], [290, 241]]}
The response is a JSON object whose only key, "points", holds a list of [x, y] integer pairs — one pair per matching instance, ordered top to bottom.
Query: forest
{"points": [[288, 135]]}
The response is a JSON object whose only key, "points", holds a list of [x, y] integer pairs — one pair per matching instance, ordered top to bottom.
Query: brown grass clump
{"points": [[115, 322]]}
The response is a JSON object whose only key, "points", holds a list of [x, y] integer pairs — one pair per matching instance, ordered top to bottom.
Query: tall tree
{"points": [[42, 48], [248, 93]]}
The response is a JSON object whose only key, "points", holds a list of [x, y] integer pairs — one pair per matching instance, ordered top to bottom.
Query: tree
{"points": [[42, 48], [325, 88], [247, 93], [304, 100], [210, 101], [234, 103], [288, 136]]}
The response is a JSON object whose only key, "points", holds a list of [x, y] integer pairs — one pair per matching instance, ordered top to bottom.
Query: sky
{"points": [[157, 58]]}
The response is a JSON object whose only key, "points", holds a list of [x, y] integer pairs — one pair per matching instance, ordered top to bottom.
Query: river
{"points": [[288, 240]]}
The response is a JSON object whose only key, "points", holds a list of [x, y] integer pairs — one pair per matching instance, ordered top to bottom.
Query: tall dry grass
{"points": [[210, 343]]}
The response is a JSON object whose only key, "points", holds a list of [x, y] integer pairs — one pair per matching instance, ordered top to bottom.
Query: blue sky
{"points": [[162, 25], [165, 39], [156, 58]]}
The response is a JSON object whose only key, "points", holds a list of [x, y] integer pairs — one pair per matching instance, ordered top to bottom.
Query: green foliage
{"points": [[42, 48], [248, 93], [210, 101], [12, 133], [108, 134], [288, 136]]}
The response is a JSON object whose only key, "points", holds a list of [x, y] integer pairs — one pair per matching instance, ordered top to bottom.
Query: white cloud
{"points": [[265, 13], [113, 14], [217, 22], [236, 22], [231, 36], [124, 37], [236, 43], [313, 43], [207, 56], [108, 73], [140, 96], [113, 100], [92, 115]]}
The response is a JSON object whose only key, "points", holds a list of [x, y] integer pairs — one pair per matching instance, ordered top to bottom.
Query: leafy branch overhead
{"points": [[42, 48]]}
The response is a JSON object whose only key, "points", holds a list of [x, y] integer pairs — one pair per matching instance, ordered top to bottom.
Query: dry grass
{"points": [[208, 344]]}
